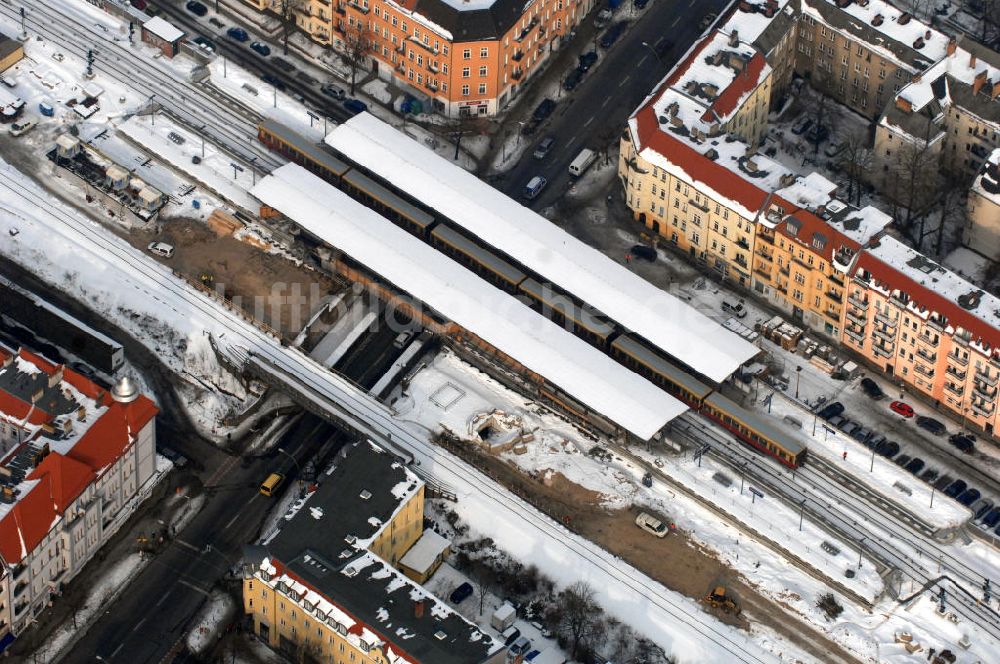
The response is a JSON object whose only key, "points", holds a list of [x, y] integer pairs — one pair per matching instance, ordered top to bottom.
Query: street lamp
{"points": [[655, 54], [152, 111], [798, 375], [294, 460], [802, 509], [861, 548]]}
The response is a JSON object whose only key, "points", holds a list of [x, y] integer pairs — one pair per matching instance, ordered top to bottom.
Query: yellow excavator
{"points": [[717, 599]]}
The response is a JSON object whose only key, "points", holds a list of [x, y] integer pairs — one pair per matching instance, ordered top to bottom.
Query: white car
{"points": [[22, 126], [161, 249], [651, 524]]}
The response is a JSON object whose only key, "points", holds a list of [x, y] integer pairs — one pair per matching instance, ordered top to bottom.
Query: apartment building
{"points": [[464, 57], [983, 229], [928, 328], [76, 459], [328, 583]]}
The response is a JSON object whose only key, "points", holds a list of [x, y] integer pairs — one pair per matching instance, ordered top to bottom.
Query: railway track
{"points": [[230, 125], [371, 418], [912, 553]]}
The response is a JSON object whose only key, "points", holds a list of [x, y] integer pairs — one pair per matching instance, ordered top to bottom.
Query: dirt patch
{"points": [[270, 287]]}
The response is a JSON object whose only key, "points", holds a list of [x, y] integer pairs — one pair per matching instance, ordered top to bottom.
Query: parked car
{"points": [[138, 4], [640, 4], [196, 8], [602, 19], [707, 21], [216, 22], [239, 34], [612, 34], [205, 43], [261, 48], [587, 60], [283, 64], [572, 80], [333, 91], [355, 106], [543, 110], [23, 126], [802, 126], [817, 133], [544, 147], [834, 150], [534, 187], [161, 249], [644, 252], [735, 308], [872, 389], [902, 408], [830, 409], [837, 421], [932, 425], [849, 427], [861, 434], [875, 441], [963, 442], [888, 449], [902, 460], [915, 465], [929, 475], [943, 481], [955, 488], [969, 496], [982, 507], [992, 517], [651, 524], [460, 594], [510, 635], [520, 646]]}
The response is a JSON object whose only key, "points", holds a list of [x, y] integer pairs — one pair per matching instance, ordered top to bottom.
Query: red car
{"points": [[904, 409]]}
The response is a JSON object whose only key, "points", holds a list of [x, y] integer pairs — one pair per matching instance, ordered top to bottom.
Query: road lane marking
{"points": [[676, 20], [642, 59], [624, 80], [605, 102], [587, 123], [571, 141], [231, 521], [192, 547], [194, 587], [164, 597], [138, 625], [116, 650]]}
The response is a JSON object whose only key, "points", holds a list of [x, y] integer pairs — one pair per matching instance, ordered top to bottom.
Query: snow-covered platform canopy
{"points": [[662, 319], [580, 370]]}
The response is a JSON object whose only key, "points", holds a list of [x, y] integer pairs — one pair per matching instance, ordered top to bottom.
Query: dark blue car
{"points": [[239, 34], [612, 35], [355, 106], [969, 496], [461, 593]]}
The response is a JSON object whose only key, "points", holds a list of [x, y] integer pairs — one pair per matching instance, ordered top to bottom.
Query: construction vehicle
{"points": [[717, 599]]}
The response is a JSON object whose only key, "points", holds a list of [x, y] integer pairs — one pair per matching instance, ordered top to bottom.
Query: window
{"points": [[484, 52], [467, 54], [465, 72], [482, 72], [482, 88], [465, 90]]}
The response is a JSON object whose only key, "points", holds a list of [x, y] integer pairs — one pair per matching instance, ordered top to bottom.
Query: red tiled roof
{"points": [[744, 83], [699, 167], [810, 225], [925, 297], [39, 361], [83, 385], [22, 410], [103, 443], [68, 478], [27, 522]]}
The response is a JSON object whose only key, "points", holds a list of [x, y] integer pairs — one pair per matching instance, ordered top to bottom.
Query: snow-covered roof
{"points": [[162, 29], [987, 183], [541, 246], [509, 325], [423, 554]]}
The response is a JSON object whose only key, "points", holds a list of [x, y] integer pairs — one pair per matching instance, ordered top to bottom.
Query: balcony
{"points": [[358, 7], [340, 9], [527, 30], [426, 47], [517, 56], [431, 67], [517, 74], [766, 236], [742, 242], [765, 256], [741, 261], [802, 262], [785, 270], [762, 271], [836, 278], [782, 289], [835, 296], [858, 302], [833, 315], [857, 317], [882, 318], [855, 334], [884, 335], [930, 341], [880, 351], [927, 355], [961, 361], [923, 371], [960, 375], [986, 378], [954, 389], [985, 393], [983, 409]]}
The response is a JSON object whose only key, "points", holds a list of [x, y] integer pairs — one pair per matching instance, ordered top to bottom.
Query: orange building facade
{"points": [[467, 57]]}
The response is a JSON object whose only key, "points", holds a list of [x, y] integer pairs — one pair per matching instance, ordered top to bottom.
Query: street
{"points": [[597, 110]]}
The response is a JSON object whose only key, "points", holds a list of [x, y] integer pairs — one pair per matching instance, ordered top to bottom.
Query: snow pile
{"points": [[217, 611]]}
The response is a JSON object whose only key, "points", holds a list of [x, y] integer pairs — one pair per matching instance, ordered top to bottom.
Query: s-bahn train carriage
{"points": [[297, 148], [370, 193], [494, 269], [657, 369], [755, 430]]}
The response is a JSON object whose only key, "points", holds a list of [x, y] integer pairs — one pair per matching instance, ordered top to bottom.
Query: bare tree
{"points": [[285, 9], [922, 9], [988, 14], [357, 44], [817, 108], [607, 139], [856, 158], [914, 178], [580, 615]]}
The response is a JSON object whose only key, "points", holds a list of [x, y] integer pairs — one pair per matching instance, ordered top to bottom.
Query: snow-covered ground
{"points": [[218, 610]]}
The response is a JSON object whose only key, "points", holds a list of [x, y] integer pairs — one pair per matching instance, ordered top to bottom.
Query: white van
{"points": [[22, 127], [582, 162], [534, 187], [161, 249], [651, 524]]}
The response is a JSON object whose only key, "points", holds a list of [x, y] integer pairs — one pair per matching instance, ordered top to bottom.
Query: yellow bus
{"points": [[272, 482]]}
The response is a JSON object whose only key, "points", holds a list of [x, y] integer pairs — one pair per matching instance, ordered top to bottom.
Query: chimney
{"points": [[927, 35], [734, 39], [952, 45], [972, 60], [979, 82], [904, 104], [56, 377], [36, 395], [81, 414], [418, 609]]}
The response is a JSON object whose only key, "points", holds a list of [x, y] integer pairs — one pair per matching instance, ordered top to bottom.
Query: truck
{"points": [[582, 162], [503, 617]]}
